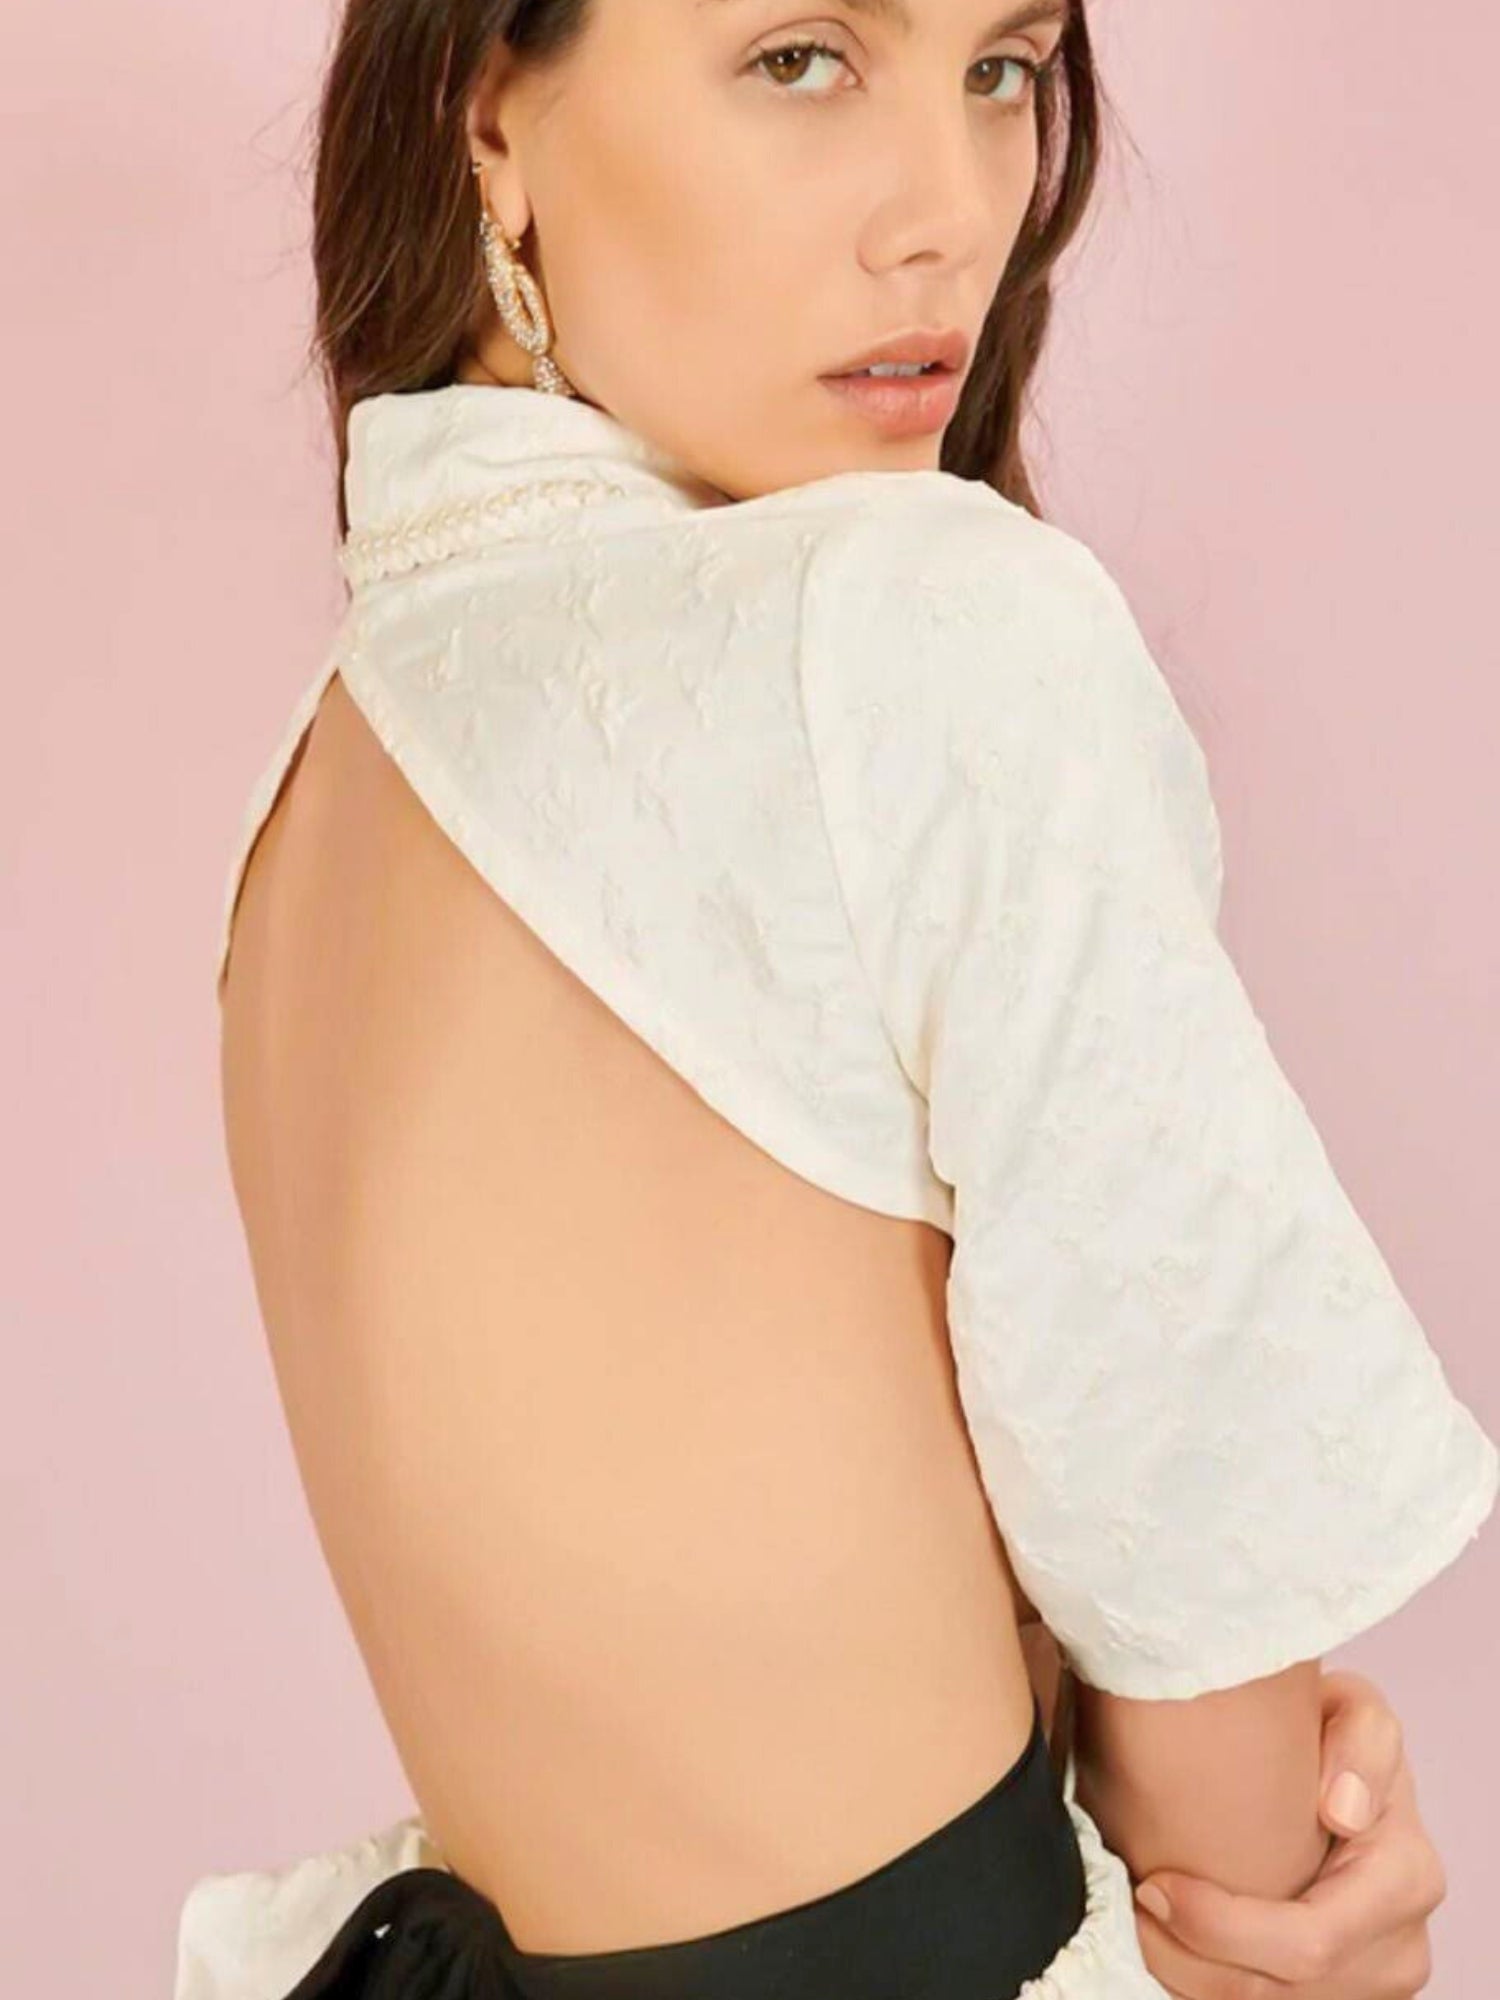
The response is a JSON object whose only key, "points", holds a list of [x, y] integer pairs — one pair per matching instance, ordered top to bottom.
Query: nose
{"points": [[942, 200]]}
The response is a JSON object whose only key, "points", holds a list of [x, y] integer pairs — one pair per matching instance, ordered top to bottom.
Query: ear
{"points": [[491, 124]]}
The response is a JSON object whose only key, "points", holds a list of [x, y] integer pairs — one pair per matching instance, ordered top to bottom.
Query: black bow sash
{"points": [[422, 1934]]}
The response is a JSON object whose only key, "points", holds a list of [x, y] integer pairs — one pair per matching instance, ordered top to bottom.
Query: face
{"points": [[735, 198]]}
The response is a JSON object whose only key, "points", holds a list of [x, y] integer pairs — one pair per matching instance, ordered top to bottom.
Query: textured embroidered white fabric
{"points": [[865, 805], [1214, 1436]]}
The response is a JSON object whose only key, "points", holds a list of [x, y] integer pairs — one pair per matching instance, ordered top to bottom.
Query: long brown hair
{"points": [[399, 276]]}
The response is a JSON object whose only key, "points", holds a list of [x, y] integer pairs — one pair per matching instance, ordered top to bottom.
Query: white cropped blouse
{"points": [[865, 804]]}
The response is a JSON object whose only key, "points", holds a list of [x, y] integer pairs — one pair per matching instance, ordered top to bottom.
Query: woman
{"points": [[760, 1176]]}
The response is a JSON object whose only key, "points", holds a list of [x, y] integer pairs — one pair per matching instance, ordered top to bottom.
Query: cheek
{"points": [[655, 222]]}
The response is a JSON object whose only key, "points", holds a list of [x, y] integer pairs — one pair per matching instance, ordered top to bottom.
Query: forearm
{"points": [[1224, 1785]]}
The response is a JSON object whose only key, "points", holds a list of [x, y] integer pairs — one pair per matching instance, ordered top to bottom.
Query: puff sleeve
{"points": [[1211, 1430]]}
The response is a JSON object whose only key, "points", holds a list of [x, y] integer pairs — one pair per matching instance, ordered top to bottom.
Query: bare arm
{"points": [[1224, 1785]]}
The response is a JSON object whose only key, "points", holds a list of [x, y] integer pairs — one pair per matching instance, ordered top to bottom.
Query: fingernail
{"points": [[1349, 1800], [1150, 1897]]}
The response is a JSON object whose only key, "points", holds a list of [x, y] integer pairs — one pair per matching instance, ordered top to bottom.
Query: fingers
{"points": [[1363, 1751], [1393, 1871], [1383, 1887], [1363, 1920], [1285, 1941], [1399, 1967]]}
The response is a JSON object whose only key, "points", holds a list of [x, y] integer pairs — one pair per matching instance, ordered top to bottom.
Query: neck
{"points": [[472, 370]]}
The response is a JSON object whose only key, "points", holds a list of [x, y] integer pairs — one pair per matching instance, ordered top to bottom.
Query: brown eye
{"points": [[790, 52], [1031, 73]]}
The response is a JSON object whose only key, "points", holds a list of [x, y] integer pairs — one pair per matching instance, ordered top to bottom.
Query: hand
{"points": [[1359, 1930]]}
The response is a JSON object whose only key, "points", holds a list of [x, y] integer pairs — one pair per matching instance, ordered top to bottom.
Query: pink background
{"points": [[1271, 408]]}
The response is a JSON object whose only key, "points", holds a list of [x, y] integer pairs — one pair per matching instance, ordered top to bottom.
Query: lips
{"points": [[946, 348], [899, 406]]}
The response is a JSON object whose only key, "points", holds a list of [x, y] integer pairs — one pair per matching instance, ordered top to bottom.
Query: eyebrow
{"points": [[897, 14]]}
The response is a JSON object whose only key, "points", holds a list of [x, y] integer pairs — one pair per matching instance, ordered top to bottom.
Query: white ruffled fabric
{"points": [[253, 1933]]}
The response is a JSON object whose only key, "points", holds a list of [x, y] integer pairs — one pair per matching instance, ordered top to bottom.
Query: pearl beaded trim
{"points": [[369, 554]]}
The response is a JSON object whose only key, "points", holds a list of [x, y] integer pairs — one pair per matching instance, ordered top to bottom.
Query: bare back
{"points": [[636, 1458]]}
